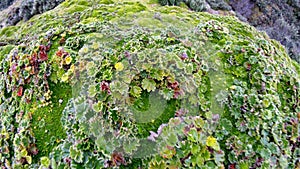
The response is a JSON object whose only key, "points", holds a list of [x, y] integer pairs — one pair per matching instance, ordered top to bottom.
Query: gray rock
{"points": [[5, 3], [24, 10]]}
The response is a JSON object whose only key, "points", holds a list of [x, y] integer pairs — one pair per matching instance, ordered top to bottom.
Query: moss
{"points": [[67, 4], [76, 8], [146, 22], [8, 31], [4, 50], [153, 113], [47, 127]]}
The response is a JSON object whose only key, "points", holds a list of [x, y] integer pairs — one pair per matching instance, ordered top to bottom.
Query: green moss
{"points": [[67, 4], [76, 8], [130, 8], [147, 22], [9, 31], [4, 50], [155, 113], [47, 127]]}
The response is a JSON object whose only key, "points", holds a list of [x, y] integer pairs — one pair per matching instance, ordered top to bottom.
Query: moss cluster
{"points": [[104, 84]]}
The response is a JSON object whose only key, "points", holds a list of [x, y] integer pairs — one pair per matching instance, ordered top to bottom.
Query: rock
{"points": [[5, 3], [24, 10], [280, 20]]}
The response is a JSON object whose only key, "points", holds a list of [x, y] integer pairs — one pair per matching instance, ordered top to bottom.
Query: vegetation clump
{"points": [[134, 85]]}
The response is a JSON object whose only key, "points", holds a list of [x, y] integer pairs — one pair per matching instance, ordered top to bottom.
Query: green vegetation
{"points": [[152, 87]]}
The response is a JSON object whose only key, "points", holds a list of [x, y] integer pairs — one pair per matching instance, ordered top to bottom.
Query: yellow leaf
{"points": [[68, 60], [119, 66], [65, 77], [212, 142]]}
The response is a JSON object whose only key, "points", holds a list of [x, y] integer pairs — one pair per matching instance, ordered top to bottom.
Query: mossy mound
{"points": [[103, 84]]}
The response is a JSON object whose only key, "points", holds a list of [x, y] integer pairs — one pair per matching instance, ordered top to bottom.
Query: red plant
{"points": [[43, 53], [62, 53], [105, 87], [20, 91], [117, 159], [231, 166]]}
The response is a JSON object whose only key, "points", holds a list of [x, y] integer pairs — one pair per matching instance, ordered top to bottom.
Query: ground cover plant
{"points": [[130, 84]]}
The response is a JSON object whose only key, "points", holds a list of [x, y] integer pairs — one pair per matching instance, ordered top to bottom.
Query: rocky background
{"points": [[5, 3], [13, 11], [279, 18]]}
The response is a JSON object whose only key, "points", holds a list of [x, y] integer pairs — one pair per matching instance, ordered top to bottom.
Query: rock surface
{"points": [[5, 3], [18, 10], [280, 19]]}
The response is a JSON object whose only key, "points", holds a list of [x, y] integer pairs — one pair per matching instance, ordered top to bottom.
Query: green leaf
{"points": [[148, 84], [92, 91], [135, 91], [167, 93], [266, 103], [97, 107], [199, 122], [193, 135], [172, 139], [212, 142], [101, 143], [130, 145], [274, 148], [195, 149], [168, 152], [23, 153], [265, 153], [205, 154], [76, 155], [219, 157], [28, 159], [45, 161], [199, 161], [283, 161], [244, 165]]}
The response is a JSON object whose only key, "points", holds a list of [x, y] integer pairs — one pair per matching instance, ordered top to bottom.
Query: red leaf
{"points": [[43, 56], [105, 87], [20, 91]]}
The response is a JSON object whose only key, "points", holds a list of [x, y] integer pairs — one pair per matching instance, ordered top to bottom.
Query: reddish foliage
{"points": [[62, 41], [43, 53], [62, 53], [34, 63], [14, 67], [174, 85], [105, 87], [20, 91], [177, 92], [180, 112], [33, 149], [117, 159], [231, 166]]}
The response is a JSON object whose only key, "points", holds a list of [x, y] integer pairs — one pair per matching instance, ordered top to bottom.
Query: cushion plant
{"points": [[131, 84]]}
